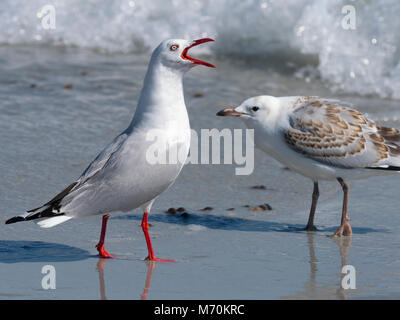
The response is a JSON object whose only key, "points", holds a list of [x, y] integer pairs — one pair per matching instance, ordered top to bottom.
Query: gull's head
{"points": [[174, 54], [262, 110]]}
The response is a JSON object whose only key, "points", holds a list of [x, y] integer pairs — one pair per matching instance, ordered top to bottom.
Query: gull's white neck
{"points": [[161, 99]]}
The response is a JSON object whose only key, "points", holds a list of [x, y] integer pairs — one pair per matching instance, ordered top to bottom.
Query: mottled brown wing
{"points": [[332, 132], [391, 137]]}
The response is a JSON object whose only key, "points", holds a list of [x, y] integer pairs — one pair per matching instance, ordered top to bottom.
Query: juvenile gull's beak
{"points": [[186, 56], [230, 112]]}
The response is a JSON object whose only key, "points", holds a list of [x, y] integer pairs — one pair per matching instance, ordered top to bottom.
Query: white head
{"points": [[173, 53], [261, 110]]}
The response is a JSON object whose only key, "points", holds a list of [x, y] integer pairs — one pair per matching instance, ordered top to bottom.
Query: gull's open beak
{"points": [[186, 56], [230, 112]]}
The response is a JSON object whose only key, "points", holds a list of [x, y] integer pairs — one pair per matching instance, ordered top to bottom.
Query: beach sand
{"points": [[60, 107]]}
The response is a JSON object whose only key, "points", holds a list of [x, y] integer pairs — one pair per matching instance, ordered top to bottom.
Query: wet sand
{"points": [[60, 107]]}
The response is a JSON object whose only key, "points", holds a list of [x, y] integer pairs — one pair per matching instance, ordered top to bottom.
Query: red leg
{"points": [[145, 228], [100, 246]]}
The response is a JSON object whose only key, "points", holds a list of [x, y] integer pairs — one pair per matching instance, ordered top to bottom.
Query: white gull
{"points": [[322, 139], [121, 178]]}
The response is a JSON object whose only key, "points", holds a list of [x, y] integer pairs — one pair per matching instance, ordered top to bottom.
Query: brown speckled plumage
{"points": [[332, 132]]}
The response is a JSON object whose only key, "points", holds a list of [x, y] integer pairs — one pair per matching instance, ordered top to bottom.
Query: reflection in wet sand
{"points": [[344, 244], [150, 268], [100, 269], [311, 288]]}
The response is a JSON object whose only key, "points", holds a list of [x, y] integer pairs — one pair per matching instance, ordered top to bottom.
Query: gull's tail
{"points": [[49, 212], [49, 218]]}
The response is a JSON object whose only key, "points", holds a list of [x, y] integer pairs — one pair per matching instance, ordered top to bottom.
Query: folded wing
{"points": [[331, 132]]}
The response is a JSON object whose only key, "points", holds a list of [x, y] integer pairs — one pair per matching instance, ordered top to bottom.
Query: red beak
{"points": [[185, 55]]}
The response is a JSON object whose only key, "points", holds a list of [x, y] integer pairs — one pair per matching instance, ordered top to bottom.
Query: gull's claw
{"points": [[343, 230], [158, 259]]}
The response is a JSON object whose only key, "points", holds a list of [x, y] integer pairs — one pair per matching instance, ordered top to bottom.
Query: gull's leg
{"points": [[310, 224], [145, 228], [345, 228], [100, 246]]}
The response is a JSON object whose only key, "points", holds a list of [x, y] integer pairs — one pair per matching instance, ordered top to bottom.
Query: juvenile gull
{"points": [[322, 139], [121, 178]]}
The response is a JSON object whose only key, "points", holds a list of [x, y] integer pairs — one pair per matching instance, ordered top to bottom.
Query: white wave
{"points": [[363, 61]]}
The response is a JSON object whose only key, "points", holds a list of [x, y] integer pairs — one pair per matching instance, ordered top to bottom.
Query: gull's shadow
{"points": [[237, 224], [331, 230], [358, 230], [37, 251]]}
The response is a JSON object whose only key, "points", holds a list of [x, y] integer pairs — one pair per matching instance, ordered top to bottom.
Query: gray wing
{"points": [[333, 133], [97, 164], [53, 206]]}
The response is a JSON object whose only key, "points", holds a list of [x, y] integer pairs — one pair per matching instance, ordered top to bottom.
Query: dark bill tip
{"points": [[229, 112], [221, 113]]}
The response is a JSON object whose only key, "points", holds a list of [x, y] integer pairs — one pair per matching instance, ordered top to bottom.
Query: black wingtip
{"points": [[388, 168], [15, 219]]}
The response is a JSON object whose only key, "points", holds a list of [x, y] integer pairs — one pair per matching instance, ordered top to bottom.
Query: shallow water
{"points": [[61, 106]]}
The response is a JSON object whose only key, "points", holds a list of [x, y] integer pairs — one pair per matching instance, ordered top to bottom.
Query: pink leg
{"points": [[145, 228], [345, 228], [100, 246]]}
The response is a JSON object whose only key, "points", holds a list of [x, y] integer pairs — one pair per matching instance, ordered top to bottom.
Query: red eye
{"points": [[174, 47]]}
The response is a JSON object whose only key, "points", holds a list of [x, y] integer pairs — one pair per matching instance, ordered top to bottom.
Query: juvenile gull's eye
{"points": [[174, 47], [255, 108]]}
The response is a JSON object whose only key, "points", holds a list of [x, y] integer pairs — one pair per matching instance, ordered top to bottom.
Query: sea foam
{"points": [[363, 61]]}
